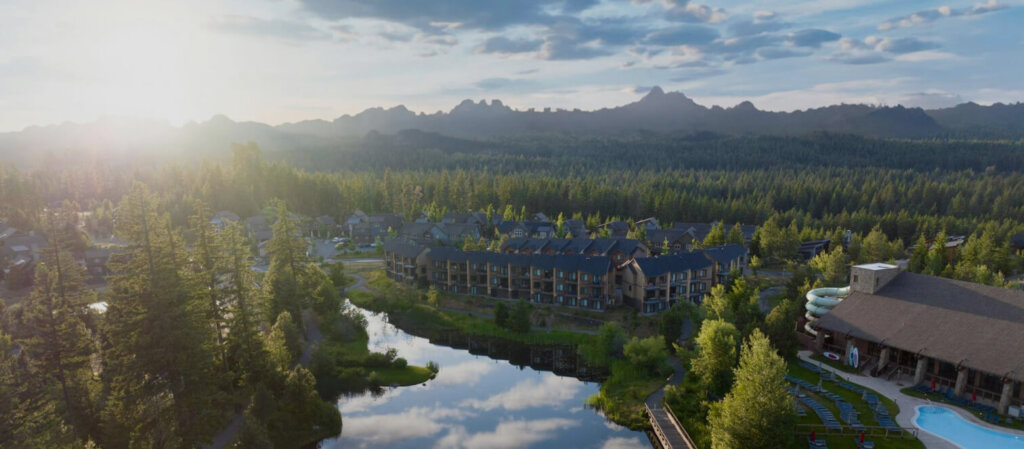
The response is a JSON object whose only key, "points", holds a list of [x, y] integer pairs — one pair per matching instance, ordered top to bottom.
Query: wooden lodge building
{"points": [[593, 274], [964, 336]]}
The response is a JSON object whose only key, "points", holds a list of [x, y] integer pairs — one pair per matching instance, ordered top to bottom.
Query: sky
{"points": [[278, 61]]}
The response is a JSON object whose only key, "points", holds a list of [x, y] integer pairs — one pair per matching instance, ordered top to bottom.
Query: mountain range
{"points": [[657, 112]]}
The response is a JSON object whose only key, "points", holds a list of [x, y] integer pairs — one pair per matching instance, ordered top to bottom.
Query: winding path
{"points": [[665, 426]]}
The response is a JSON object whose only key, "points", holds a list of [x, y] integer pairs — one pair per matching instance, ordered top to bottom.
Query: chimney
{"points": [[870, 278]]}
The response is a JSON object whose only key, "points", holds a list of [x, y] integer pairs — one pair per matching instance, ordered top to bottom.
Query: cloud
{"points": [[685, 11], [466, 14], [930, 15], [749, 27], [272, 28], [682, 35], [812, 38], [504, 45], [904, 45], [557, 48], [779, 53], [858, 58], [493, 84], [930, 100], [467, 373], [549, 392], [415, 423], [507, 435], [624, 443]]}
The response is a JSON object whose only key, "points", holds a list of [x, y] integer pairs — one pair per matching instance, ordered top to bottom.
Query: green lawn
{"points": [[410, 375], [866, 415]]}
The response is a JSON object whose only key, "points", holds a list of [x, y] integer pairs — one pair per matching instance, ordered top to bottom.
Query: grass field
{"points": [[866, 415]]}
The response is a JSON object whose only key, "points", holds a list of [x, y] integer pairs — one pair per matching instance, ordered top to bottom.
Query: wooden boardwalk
{"points": [[669, 431]]}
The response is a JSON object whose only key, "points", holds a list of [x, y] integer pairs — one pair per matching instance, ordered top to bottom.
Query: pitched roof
{"points": [[459, 230], [658, 236], [404, 247], [725, 254], [675, 263], [598, 265], [979, 326]]}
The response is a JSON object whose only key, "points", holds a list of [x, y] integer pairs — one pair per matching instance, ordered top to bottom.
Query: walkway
{"points": [[907, 404], [670, 434]]}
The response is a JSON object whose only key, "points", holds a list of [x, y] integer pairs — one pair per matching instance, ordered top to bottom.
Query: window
{"points": [[473, 266], [536, 272], [561, 275], [572, 276], [586, 277], [855, 278], [561, 287], [561, 299], [583, 303]]}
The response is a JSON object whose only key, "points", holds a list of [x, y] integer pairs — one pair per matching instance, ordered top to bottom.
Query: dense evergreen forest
{"points": [[144, 383]]}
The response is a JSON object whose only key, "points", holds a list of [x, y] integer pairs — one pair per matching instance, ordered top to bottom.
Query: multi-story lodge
{"points": [[619, 250], [588, 273], [573, 280], [653, 284]]}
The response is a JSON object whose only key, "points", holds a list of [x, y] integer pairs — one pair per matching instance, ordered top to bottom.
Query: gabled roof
{"points": [[225, 215], [416, 229], [460, 230], [658, 236], [514, 244], [535, 245], [578, 245], [602, 246], [628, 246], [404, 248], [725, 254], [675, 263], [977, 326]]}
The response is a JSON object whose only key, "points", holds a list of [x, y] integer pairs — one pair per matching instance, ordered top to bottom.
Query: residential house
{"points": [[223, 218], [477, 218], [648, 224], [324, 226], [575, 228], [535, 229], [617, 229], [423, 232], [457, 232], [678, 241], [23, 246], [811, 248], [96, 261]]}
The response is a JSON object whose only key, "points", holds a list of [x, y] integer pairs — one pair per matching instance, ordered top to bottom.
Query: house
{"points": [[540, 216], [357, 217], [223, 218], [477, 218], [257, 224], [382, 224], [648, 224], [324, 226], [575, 228], [517, 229], [616, 229], [700, 231], [423, 232], [457, 232], [678, 240], [1017, 241], [23, 246], [810, 249], [96, 261], [654, 284], [964, 336]]}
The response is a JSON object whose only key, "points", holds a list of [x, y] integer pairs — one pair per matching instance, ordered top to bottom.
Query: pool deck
{"points": [[908, 404]]}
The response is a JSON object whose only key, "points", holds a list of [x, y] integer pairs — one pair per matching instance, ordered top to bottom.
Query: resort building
{"points": [[619, 250], [405, 261], [569, 280], [654, 284], [964, 336]]}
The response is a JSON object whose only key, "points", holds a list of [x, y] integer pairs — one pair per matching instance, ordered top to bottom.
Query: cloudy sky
{"points": [[287, 60]]}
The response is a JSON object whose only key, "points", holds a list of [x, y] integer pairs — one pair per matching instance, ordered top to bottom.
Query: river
{"points": [[475, 402]]}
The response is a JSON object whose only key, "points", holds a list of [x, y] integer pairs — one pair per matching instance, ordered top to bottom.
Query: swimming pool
{"points": [[947, 424]]}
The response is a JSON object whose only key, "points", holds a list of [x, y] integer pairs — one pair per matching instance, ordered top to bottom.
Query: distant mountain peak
{"points": [[655, 92], [745, 106]]}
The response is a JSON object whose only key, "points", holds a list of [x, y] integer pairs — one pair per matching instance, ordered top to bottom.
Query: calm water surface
{"points": [[475, 402]]}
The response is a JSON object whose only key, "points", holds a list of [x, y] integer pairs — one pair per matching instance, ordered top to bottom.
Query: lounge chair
{"points": [[816, 444], [865, 445]]}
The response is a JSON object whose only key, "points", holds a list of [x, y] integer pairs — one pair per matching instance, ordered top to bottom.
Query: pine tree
{"points": [[736, 235], [716, 236], [919, 255], [205, 271], [285, 276], [56, 340], [157, 343], [247, 355], [716, 355], [758, 412]]}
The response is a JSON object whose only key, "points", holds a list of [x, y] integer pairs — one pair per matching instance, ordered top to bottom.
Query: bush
{"points": [[401, 363], [433, 367]]}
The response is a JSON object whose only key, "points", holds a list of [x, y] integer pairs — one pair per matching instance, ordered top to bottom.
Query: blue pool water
{"points": [[946, 424]]}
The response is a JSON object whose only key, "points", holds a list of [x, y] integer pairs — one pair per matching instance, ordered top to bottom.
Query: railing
{"points": [[679, 425], [869, 431]]}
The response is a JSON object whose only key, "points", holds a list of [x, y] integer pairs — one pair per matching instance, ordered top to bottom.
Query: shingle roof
{"points": [[658, 236], [404, 248], [725, 254], [675, 263], [598, 265], [979, 326]]}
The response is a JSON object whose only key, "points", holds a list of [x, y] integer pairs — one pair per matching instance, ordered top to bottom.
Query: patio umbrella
{"points": [[933, 384], [974, 396], [812, 435], [862, 438]]}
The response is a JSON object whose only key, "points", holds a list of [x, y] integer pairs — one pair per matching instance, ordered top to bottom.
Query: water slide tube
{"points": [[820, 301]]}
